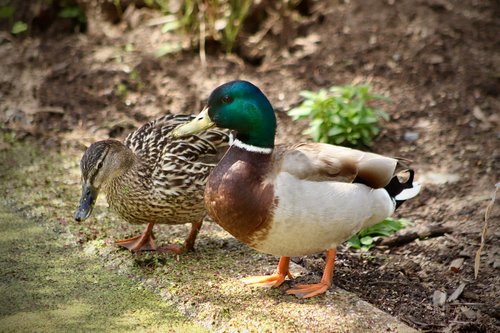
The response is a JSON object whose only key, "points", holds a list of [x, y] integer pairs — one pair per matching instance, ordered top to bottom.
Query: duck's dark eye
{"points": [[226, 99], [99, 165]]}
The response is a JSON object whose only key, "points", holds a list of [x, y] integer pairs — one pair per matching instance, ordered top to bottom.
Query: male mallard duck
{"points": [[151, 178], [291, 200]]}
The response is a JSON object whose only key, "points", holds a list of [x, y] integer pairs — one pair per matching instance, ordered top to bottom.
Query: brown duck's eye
{"points": [[226, 99], [99, 165]]}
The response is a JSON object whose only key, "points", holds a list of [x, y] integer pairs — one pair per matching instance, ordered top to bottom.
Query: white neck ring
{"points": [[251, 148]]}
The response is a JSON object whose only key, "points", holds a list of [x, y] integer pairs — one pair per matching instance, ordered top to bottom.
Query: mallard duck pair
{"points": [[152, 179], [291, 200]]}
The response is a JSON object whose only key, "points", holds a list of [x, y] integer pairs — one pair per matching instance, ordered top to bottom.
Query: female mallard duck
{"points": [[152, 178], [291, 200]]}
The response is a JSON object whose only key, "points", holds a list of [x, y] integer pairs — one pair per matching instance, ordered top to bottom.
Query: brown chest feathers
{"points": [[237, 195]]}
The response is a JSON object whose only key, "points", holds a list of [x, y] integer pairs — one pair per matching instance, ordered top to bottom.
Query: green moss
{"points": [[49, 287]]}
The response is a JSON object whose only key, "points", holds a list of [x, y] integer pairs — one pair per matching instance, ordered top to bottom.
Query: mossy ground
{"points": [[203, 285], [46, 286]]}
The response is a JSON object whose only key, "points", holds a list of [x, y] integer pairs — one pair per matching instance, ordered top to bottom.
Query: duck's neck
{"points": [[259, 130], [246, 147], [129, 167]]}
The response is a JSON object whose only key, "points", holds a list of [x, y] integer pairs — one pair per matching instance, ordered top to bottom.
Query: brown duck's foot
{"points": [[195, 229], [143, 242], [188, 244], [175, 248], [274, 280], [310, 290]]}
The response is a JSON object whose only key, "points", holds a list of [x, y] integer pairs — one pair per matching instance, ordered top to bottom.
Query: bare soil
{"points": [[437, 60]]}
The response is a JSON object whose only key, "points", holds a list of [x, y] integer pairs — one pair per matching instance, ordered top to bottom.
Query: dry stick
{"points": [[201, 17], [489, 208], [410, 235]]}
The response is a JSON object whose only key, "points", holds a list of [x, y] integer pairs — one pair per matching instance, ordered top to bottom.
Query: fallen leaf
{"points": [[456, 265], [456, 294]]}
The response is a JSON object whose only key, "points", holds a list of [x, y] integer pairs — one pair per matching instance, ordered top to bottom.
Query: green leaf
{"points": [[170, 26], [19, 27], [168, 48], [308, 94], [299, 112], [370, 120], [315, 129], [334, 131], [338, 140], [367, 240], [354, 242]]}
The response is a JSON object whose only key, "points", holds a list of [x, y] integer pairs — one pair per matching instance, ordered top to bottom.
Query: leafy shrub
{"points": [[32, 16], [341, 115], [365, 239]]}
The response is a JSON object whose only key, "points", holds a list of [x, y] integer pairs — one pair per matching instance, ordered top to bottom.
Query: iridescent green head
{"points": [[240, 106]]}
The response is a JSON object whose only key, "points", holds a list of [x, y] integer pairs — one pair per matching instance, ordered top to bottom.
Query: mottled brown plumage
{"points": [[152, 178]]}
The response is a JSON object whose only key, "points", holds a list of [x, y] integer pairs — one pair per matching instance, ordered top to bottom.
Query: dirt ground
{"points": [[437, 60]]}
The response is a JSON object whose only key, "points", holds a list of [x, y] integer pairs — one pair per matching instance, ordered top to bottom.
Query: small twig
{"points": [[201, 17], [489, 208], [409, 235], [453, 239], [388, 282], [468, 304], [412, 320]]}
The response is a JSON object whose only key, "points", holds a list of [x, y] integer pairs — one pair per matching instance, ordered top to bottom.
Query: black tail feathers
{"points": [[401, 192]]}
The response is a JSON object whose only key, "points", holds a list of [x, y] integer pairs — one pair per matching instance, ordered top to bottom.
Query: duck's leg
{"points": [[195, 229], [143, 242], [188, 244], [274, 280], [310, 290]]}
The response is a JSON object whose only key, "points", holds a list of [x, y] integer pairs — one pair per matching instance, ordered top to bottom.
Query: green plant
{"points": [[6, 11], [73, 12], [220, 20], [234, 21], [19, 27], [341, 115], [365, 239]]}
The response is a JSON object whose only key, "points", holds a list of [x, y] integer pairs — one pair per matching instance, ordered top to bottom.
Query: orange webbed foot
{"points": [[143, 242], [136, 244], [274, 280], [266, 281], [308, 290]]}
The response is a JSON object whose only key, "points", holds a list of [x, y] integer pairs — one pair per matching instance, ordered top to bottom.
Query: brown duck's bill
{"points": [[200, 123], [87, 201]]}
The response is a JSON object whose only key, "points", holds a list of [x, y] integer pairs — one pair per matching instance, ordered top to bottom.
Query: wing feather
{"points": [[324, 162]]}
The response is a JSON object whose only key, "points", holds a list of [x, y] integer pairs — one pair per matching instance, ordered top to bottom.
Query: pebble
{"points": [[411, 136], [438, 298]]}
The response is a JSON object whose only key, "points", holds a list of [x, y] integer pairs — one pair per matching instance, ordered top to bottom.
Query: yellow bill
{"points": [[198, 124]]}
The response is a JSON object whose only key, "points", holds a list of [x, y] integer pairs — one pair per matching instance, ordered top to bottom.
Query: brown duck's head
{"points": [[101, 162]]}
